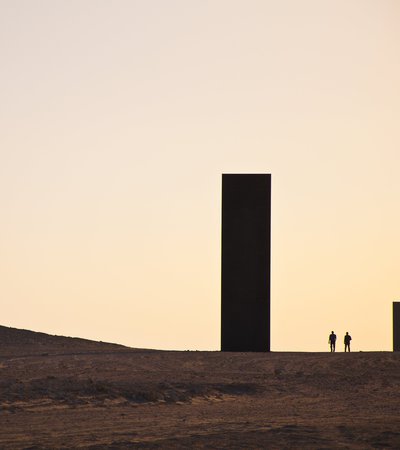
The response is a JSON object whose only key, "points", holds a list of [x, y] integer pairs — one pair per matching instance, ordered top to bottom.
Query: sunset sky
{"points": [[117, 120]]}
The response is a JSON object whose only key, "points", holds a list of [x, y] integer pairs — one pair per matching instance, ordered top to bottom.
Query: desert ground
{"points": [[68, 393]]}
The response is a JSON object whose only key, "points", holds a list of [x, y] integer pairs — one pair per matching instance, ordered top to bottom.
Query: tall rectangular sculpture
{"points": [[246, 262], [396, 326]]}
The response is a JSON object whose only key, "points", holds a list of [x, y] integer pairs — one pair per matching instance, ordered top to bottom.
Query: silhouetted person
{"points": [[347, 339], [332, 341]]}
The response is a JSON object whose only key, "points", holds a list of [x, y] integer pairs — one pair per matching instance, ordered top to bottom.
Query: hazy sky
{"points": [[117, 120]]}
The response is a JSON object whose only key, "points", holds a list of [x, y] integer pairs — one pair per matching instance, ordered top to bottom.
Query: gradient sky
{"points": [[118, 119]]}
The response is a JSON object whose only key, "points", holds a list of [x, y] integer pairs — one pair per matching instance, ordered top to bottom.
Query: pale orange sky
{"points": [[118, 119]]}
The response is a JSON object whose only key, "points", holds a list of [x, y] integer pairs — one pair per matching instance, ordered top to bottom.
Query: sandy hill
{"points": [[16, 342], [58, 392]]}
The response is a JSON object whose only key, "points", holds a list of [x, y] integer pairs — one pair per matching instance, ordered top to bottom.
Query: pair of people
{"points": [[332, 341]]}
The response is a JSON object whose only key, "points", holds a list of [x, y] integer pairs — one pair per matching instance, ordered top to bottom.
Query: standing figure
{"points": [[347, 339], [332, 341]]}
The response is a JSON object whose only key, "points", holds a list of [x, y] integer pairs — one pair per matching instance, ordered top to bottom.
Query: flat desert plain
{"points": [[68, 393]]}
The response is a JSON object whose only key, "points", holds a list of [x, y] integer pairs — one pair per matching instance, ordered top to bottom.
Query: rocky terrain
{"points": [[59, 392]]}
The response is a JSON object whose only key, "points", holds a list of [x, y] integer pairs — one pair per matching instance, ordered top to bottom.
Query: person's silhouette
{"points": [[347, 339], [332, 341]]}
